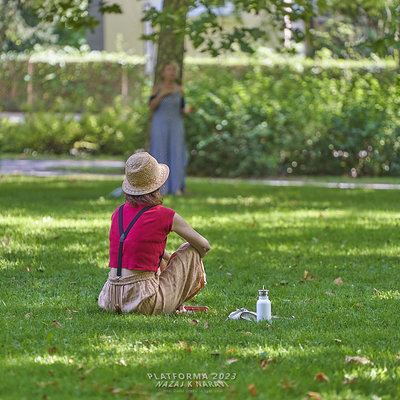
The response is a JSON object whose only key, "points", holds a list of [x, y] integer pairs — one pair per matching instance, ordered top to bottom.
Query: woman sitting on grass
{"points": [[144, 278]]}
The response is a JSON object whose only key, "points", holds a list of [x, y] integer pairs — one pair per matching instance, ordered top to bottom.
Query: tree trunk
{"points": [[172, 37], [170, 44], [309, 45]]}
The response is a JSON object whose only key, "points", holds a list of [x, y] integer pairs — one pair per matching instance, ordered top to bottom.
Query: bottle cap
{"points": [[263, 292]]}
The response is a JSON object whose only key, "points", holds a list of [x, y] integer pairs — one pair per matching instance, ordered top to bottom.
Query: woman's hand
{"points": [[158, 95], [189, 109], [166, 256]]}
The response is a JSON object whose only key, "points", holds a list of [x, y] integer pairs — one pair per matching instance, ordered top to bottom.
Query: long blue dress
{"points": [[167, 140]]}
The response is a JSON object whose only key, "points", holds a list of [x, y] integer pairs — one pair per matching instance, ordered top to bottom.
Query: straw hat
{"points": [[143, 174]]}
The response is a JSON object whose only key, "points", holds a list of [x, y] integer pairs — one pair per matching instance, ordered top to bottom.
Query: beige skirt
{"points": [[146, 292]]}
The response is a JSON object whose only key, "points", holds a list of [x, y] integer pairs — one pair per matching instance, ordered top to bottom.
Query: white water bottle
{"points": [[263, 306]]}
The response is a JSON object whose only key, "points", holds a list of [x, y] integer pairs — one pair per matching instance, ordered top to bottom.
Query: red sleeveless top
{"points": [[145, 243]]}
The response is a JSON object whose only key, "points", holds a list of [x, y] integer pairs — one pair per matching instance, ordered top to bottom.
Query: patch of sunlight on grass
{"points": [[239, 200], [38, 224], [389, 295], [381, 375]]}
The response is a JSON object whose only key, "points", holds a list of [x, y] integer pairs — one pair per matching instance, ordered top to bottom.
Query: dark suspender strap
{"points": [[120, 220], [123, 235], [121, 239]]}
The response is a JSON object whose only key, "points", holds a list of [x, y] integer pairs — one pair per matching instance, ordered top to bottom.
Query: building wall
{"points": [[122, 31]]}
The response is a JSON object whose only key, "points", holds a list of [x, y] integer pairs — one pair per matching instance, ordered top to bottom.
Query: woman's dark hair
{"points": [[153, 199]]}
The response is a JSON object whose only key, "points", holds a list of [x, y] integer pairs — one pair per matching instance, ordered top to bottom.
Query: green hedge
{"points": [[64, 81], [284, 116], [291, 119]]}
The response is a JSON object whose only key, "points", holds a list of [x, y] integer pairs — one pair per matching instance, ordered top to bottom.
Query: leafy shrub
{"points": [[289, 120], [117, 129]]}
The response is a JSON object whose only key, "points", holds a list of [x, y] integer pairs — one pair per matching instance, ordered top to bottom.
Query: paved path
{"points": [[49, 168], [340, 185]]}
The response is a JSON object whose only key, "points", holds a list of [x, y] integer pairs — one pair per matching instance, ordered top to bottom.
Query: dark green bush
{"points": [[268, 121]]}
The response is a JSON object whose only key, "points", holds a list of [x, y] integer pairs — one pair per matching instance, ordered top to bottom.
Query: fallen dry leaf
{"points": [[27, 268], [307, 276], [338, 281], [281, 283], [377, 291], [70, 311], [28, 315], [194, 321], [55, 323], [206, 325], [244, 332], [337, 340], [182, 343], [52, 350], [230, 350], [231, 360], [358, 360], [264, 363], [90, 370], [321, 377], [349, 381], [286, 384], [112, 389], [252, 389], [314, 395]]}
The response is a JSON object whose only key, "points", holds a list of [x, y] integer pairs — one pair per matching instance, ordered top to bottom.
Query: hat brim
{"points": [[162, 177]]}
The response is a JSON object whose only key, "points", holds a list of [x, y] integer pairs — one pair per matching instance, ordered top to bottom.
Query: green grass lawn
{"points": [[55, 343]]}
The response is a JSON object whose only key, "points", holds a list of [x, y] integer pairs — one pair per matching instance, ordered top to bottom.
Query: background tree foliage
{"points": [[25, 23], [348, 28], [355, 29]]}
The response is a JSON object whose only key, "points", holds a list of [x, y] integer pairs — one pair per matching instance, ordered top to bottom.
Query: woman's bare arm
{"points": [[155, 100], [184, 230]]}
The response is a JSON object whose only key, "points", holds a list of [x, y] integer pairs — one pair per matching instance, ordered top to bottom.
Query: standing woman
{"points": [[167, 138]]}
